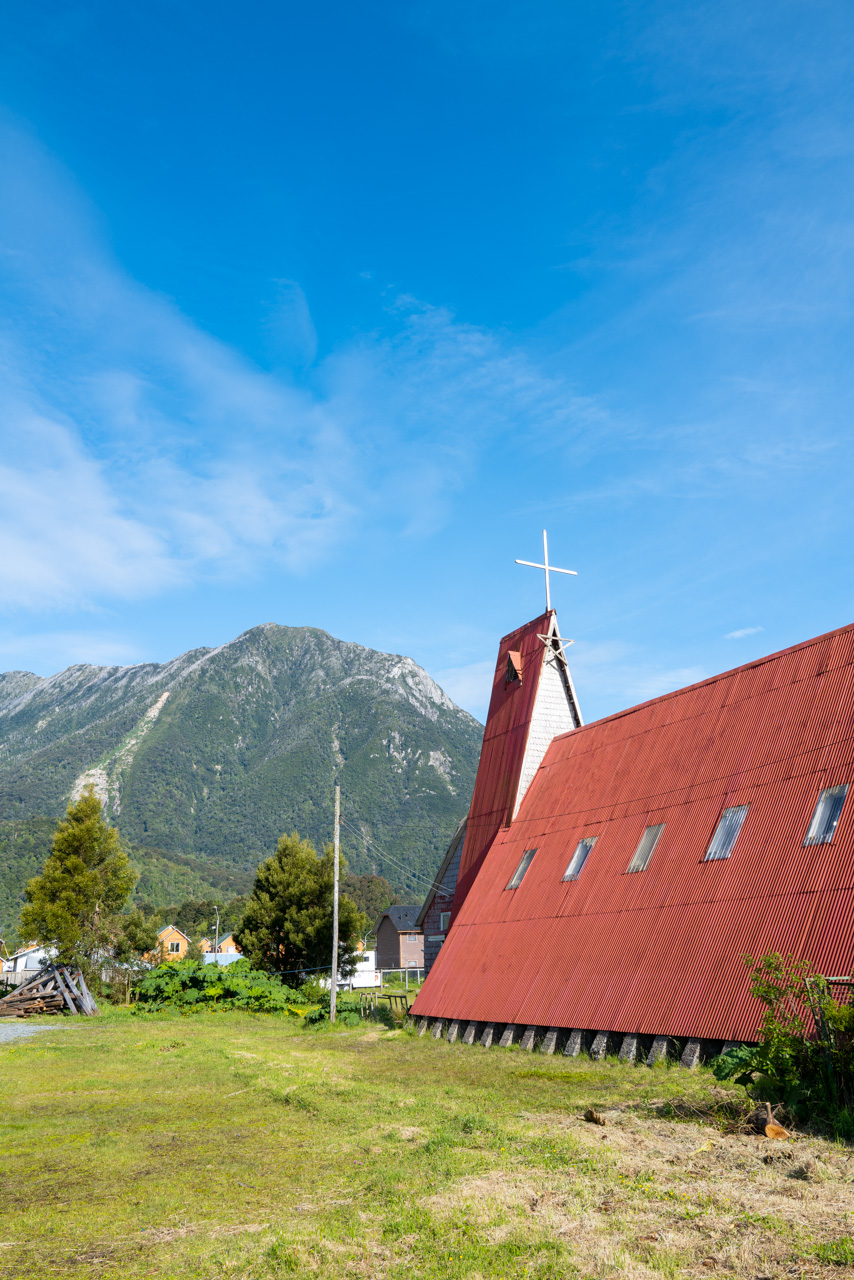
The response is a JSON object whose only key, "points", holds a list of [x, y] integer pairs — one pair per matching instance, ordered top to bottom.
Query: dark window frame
{"points": [[830, 817], [658, 828], [726, 833], [522, 869], [569, 874]]}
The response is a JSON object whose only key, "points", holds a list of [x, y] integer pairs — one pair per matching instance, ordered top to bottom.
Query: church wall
{"points": [[443, 899], [661, 951]]}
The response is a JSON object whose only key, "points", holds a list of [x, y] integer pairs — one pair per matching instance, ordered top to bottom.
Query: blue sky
{"points": [[317, 314]]}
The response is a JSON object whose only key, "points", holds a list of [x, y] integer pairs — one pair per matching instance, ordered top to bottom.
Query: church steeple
{"points": [[533, 700]]}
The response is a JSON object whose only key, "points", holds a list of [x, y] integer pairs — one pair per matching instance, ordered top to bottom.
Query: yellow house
{"points": [[172, 944], [227, 946]]}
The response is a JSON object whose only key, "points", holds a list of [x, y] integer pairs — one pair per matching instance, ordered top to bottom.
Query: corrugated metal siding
{"points": [[502, 754], [661, 951]]}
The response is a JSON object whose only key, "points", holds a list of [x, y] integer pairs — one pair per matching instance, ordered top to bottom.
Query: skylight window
{"points": [[826, 815], [726, 832], [646, 848], [579, 858], [519, 874]]}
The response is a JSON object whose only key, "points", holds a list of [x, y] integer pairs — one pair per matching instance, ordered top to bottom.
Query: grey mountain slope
{"points": [[219, 751]]}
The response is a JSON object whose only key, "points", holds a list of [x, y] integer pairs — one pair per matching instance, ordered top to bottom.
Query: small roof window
{"points": [[513, 674], [826, 816], [726, 832], [646, 848], [579, 858], [519, 874]]}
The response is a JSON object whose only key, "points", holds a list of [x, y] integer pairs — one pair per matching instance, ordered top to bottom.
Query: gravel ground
{"points": [[12, 1029]]}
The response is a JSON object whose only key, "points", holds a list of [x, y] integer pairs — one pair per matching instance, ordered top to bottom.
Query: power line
{"points": [[432, 884]]}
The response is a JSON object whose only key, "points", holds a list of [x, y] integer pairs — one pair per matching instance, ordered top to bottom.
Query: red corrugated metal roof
{"points": [[511, 707], [661, 951]]}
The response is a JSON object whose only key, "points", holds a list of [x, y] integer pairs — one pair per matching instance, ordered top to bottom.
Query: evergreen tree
{"points": [[74, 905], [287, 926]]}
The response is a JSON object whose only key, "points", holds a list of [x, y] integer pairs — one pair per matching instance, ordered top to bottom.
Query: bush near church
{"points": [[804, 1061]]}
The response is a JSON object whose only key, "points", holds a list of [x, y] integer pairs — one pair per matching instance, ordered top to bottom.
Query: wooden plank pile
{"points": [[53, 990]]}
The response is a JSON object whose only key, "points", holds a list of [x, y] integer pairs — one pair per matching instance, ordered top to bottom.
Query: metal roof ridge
{"points": [[524, 625], [721, 675]]}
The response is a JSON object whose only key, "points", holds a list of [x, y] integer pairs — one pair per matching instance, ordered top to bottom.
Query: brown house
{"points": [[400, 939]]}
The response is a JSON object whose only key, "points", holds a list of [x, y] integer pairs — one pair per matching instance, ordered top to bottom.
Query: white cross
{"points": [[549, 568]]}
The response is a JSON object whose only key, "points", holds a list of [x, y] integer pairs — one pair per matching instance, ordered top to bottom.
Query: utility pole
{"points": [[216, 943], [333, 991]]}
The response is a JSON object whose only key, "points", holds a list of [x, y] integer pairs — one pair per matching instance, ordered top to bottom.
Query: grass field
{"points": [[236, 1146]]}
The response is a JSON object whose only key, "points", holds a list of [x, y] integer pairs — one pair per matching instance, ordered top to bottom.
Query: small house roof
{"points": [[403, 918], [171, 928], [25, 951]]}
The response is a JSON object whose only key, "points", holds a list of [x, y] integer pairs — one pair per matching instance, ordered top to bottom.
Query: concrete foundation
{"points": [[423, 1025], [438, 1028], [453, 1031], [470, 1033], [507, 1036], [529, 1038], [487, 1039], [549, 1043], [573, 1045], [600, 1046], [629, 1049], [658, 1050], [691, 1055]]}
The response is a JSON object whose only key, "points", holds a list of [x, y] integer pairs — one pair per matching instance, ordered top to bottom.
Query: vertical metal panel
{"points": [[505, 736], [662, 951]]}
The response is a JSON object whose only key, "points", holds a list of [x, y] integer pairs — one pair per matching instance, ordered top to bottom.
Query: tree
{"points": [[371, 894], [74, 906], [287, 926]]}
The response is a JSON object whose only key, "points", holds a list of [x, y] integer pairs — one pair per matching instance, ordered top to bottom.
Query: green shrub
{"points": [[191, 985], [347, 1013], [805, 1058]]}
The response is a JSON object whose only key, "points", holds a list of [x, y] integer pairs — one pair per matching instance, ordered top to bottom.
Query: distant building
{"points": [[400, 939], [172, 944], [227, 954], [25, 963], [365, 975]]}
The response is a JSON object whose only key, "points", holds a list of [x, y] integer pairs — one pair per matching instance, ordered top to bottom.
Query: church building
{"points": [[611, 878]]}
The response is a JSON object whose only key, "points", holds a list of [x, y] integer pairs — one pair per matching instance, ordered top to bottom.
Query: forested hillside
{"points": [[212, 756], [163, 878]]}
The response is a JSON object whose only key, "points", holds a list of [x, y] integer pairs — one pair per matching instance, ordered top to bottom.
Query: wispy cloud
{"points": [[141, 452], [742, 632]]}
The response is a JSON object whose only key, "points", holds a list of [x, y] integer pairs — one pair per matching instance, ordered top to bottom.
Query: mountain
{"points": [[213, 755]]}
